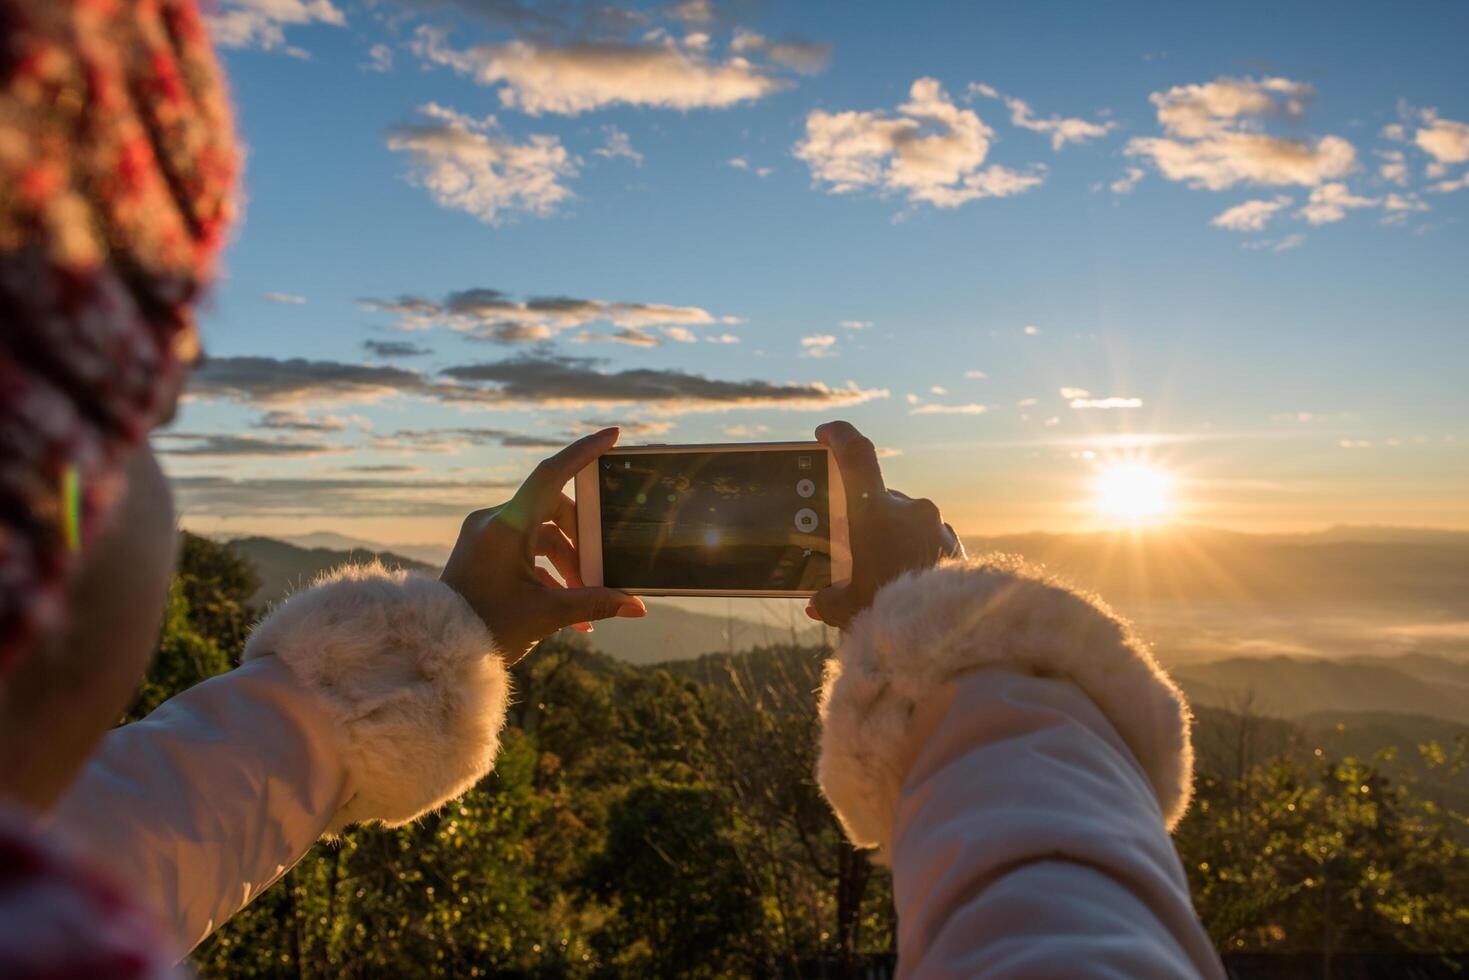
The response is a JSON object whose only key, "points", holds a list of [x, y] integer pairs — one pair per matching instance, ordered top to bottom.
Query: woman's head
{"points": [[117, 169]]}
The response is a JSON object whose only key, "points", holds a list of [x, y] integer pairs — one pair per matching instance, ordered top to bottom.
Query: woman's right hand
{"points": [[890, 532]]}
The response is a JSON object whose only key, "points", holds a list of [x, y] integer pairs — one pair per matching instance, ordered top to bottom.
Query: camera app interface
{"points": [[723, 521]]}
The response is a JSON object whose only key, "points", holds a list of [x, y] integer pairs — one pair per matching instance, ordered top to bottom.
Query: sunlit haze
{"points": [[1013, 247]]}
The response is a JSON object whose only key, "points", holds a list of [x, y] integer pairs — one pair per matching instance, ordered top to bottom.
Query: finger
{"points": [[856, 458], [537, 497], [565, 516], [953, 544], [561, 553], [549, 581], [833, 605], [554, 609]]}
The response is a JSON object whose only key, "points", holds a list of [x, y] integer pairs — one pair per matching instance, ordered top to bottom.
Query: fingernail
{"points": [[611, 430], [632, 608], [811, 611], [582, 627]]}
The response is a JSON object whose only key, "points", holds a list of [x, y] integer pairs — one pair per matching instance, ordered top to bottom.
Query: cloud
{"points": [[693, 11], [262, 23], [803, 57], [379, 58], [568, 79], [1062, 130], [1214, 140], [1445, 140], [618, 144], [930, 152], [740, 163], [467, 165], [1395, 170], [1125, 183], [1448, 186], [1330, 202], [1399, 206], [1251, 215], [1284, 244], [284, 298], [491, 314], [854, 324], [1031, 330], [633, 336], [721, 338], [820, 345], [389, 349], [975, 375], [269, 381], [532, 381], [563, 382], [938, 390], [1070, 393], [1106, 403], [935, 409], [295, 420], [631, 427], [746, 431], [452, 440], [210, 444], [337, 498]]}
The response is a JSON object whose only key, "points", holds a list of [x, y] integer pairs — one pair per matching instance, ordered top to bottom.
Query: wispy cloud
{"points": [[262, 23], [659, 71], [1061, 129], [618, 144], [930, 152], [467, 165], [1330, 202], [1251, 215], [284, 298], [491, 314], [820, 345], [391, 349], [552, 381], [1106, 403], [933, 408], [295, 420], [214, 444], [331, 497]]}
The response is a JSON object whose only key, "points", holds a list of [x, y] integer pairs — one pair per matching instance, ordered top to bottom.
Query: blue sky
{"points": [[1228, 243]]}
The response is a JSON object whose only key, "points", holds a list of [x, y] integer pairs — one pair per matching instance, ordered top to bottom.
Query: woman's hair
{"points": [[117, 173]]}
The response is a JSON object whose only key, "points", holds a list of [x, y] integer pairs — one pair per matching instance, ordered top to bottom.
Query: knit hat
{"points": [[117, 168]]}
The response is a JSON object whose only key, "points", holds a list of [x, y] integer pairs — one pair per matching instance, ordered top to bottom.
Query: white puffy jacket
{"points": [[1004, 743]]}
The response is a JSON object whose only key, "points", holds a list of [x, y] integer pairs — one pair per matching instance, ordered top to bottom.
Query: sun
{"points": [[1138, 493]]}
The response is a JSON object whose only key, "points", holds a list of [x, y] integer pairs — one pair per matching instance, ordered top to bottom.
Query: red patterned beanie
{"points": [[117, 169]]}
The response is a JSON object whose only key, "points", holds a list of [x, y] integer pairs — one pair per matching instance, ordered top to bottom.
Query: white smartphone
{"points": [[748, 519]]}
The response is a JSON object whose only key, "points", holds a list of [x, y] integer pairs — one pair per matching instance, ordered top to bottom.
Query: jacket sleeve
{"points": [[374, 696], [1018, 758]]}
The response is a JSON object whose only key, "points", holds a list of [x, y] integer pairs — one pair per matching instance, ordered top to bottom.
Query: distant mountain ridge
{"points": [[285, 568], [668, 633], [1295, 687]]}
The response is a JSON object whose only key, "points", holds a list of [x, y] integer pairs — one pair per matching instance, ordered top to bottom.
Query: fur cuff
{"points": [[926, 628], [410, 677]]}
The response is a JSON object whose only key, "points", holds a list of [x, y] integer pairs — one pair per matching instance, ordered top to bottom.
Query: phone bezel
{"points": [[589, 515]]}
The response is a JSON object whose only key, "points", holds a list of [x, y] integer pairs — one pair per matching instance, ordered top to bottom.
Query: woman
{"points": [[1006, 744]]}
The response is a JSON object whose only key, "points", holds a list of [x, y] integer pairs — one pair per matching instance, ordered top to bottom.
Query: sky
{"points": [[1017, 244]]}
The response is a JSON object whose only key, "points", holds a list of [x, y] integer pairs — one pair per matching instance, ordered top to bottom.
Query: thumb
{"points": [[834, 605], [564, 607]]}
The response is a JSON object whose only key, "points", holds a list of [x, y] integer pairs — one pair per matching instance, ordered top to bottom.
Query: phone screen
{"points": [[757, 519]]}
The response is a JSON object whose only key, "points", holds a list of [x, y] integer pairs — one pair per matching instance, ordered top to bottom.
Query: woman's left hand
{"points": [[494, 568]]}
